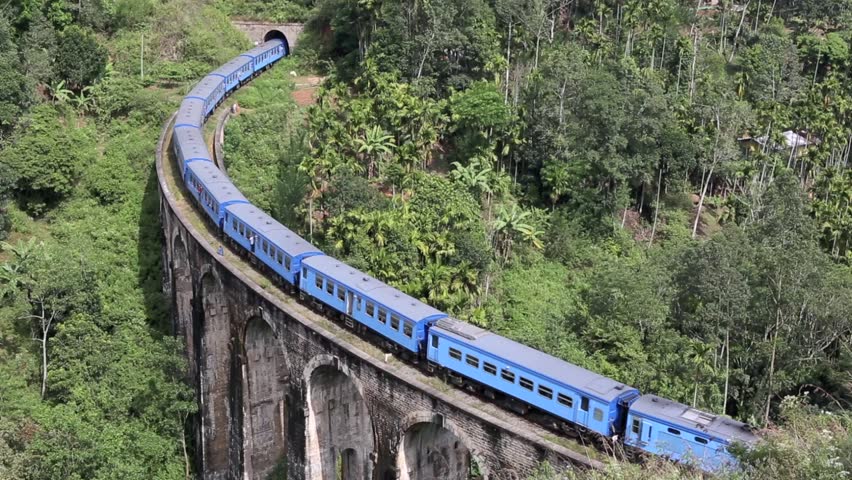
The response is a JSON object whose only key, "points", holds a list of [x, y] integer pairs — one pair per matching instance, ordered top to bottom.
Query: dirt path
{"points": [[306, 89]]}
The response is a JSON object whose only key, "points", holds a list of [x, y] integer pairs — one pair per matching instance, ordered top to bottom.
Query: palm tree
{"points": [[59, 93], [84, 102], [374, 145], [510, 222], [699, 351]]}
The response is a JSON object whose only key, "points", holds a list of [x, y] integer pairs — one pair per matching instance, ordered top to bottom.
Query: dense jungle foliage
{"points": [[655, 190]]}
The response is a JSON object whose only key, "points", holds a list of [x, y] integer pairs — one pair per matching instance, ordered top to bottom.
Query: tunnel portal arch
{"points": [[277, 34]]}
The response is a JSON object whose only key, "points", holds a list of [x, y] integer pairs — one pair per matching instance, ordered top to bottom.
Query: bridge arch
{"points": [[181, 280], [212, 324], [266, 416], [340, 440], [431, 447]]}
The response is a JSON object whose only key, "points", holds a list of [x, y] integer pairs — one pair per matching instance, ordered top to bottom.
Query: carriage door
{"points": [[350, 302], [583, 414]]}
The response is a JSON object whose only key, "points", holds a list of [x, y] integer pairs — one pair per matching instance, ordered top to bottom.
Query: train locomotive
{"points": [[468, 356]]}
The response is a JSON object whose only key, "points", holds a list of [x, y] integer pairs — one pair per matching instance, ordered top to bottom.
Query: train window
{"points": [[234, 223], [242, 229], [265, 247], [280, 258], [287, 263], [305, 272], [319, 281], [329, 286], [341, 292], [371, 309], [383, 315], [394, 322], [406, 329], [434, 341], [455, 354], [472, 361], [489, 368], [507, 375], [527, 383], [545, 392], [565, 400], [584, 404], [598, 415], [636, 426], [674, 431], [700, 440]]}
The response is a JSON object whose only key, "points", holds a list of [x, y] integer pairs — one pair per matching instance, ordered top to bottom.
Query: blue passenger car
{"points": [[267, 53], [235, 72], [210, 90], [190, 113], [189, 146], [212, 189], [274, 244], [385, 310], [552, 385], [677, 431]]}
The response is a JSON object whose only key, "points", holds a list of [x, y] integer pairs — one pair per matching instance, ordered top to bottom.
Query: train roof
{"points": [[264, 47], [232, 66], [205, 87], [191, 112], [191, 143], [217, 183], [283, 238], [382, 293], [533, 360], [676, 413]]}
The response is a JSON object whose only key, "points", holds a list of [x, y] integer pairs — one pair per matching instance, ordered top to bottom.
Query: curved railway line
{"points": [[175, 199]]}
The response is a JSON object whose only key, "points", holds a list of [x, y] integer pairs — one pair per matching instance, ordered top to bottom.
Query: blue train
{"points": [[467, 355]]}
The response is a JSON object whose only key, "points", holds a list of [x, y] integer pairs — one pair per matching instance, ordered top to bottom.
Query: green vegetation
{"points": [[612, 182], [92, 384]]}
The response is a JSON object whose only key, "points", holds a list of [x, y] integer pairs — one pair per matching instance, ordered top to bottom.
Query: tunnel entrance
{"points": [[277, 34]]}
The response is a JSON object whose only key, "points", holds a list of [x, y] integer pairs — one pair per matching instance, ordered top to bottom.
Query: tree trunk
{"points": [[737, 34], [508, 62], [701, 199], [656, 207], [772, 366], [727, 368]]}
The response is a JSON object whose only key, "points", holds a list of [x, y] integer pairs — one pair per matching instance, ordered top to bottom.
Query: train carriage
{"points": [[266, 54], [235, 72], [210, 90], [190, 113], [189, 146], [212, 189], [275, 245], [400, 318], [580, 396], [677, 431]]}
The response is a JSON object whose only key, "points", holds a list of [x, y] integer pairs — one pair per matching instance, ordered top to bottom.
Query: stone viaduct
{"points": [[285, 393]]}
